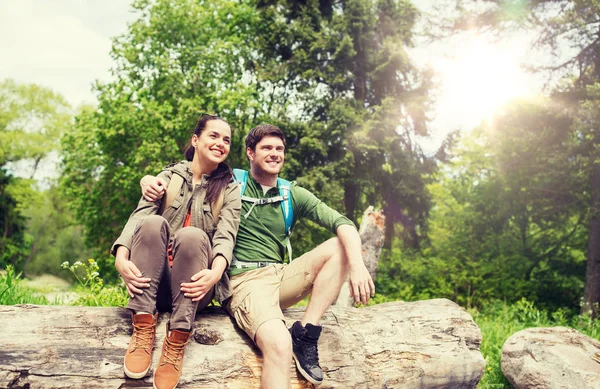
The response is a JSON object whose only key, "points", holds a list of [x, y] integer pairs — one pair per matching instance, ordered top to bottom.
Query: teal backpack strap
{"points": [[241, 177], [285, 191]]}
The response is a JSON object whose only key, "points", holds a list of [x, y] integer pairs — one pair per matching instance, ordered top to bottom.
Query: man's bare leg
{"points": [[329, 271], [273, 339]]}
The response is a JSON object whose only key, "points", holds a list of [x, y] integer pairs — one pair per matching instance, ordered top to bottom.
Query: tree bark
{"points": [[372, 233], [591, 293], [425, 344]]}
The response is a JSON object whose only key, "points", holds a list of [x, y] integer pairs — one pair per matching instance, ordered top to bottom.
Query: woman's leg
{"points": [[148, 252], [191, 254]]}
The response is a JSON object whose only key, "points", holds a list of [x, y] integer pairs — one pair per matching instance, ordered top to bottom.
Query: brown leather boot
{"points": [[139, 354], [168, 372]]}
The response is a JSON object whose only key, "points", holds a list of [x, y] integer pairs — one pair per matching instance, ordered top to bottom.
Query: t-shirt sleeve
{"points": [[310, 206]]}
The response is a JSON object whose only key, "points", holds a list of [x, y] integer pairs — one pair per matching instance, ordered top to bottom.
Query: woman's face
{"points": [[214, 142]]}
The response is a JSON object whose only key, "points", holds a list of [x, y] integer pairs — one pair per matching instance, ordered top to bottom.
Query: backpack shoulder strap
{"points": [[241, 177], [172, 191], [285, 191]]}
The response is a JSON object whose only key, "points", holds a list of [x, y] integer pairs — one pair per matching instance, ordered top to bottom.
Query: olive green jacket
{"points": [[222, 233]]}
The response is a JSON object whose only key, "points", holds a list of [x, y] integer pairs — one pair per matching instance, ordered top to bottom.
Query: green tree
{"points": [[568, 30], [250, 63], [343, 68], [32, 119], [508, 217], [54, 236], [13, 247]]}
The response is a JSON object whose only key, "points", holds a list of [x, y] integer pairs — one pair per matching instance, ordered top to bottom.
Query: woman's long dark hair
{"points": [[222, 175]]}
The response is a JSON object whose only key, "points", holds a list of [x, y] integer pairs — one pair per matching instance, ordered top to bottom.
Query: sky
{"points": [[61, 44], [65, 45]]}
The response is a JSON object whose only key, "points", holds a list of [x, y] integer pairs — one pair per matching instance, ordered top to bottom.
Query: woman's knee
{"points": [[152, 226], [192, 235], [193, 243]]}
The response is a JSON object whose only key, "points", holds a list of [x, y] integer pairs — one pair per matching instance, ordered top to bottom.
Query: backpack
{"points": [[173, 190], [285, 198]]}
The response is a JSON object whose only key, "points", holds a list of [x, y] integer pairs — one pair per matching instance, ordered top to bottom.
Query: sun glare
{"points": [[480, 77]]}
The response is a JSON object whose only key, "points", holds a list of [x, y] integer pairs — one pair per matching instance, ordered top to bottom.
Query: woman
{"points": [[180, 257]]}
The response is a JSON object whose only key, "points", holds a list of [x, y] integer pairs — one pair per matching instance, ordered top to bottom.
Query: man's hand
{"points": [[153, 188], [132, 276], [201, 284], [361, 285]]}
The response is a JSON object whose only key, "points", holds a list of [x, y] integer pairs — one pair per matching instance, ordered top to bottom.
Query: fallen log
{"points": [[425, 344]]}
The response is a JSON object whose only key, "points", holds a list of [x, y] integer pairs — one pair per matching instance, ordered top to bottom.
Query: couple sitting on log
{"points": [[177, 254]]}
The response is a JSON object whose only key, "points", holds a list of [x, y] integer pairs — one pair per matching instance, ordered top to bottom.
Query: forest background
{"points": [[502, 220]]}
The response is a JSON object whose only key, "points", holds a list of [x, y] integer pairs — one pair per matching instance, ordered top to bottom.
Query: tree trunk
{"points": [[350, 197], [372, 232], [591, 293], [425, 344]]}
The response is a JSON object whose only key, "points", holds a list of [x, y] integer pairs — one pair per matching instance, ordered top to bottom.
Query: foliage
{"points": [[508, 218], [53, 233], [13, 242], [92, 291], [12, 292]]}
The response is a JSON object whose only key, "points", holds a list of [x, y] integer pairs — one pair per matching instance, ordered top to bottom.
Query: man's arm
{"points": [[153, 188], [308, 205], [362, 287]]}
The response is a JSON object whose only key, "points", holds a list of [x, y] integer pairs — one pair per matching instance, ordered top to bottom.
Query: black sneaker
{"points": [[306, 354]]}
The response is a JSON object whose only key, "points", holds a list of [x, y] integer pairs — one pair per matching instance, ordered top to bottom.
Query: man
{"points": [[262, 284]]}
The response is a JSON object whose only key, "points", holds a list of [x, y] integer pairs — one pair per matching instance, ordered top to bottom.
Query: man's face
{"points": [[268, 156]]}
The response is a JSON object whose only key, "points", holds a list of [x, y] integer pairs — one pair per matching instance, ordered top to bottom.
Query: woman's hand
{"points": [[153, 188], [132, 276], [201, 284]]}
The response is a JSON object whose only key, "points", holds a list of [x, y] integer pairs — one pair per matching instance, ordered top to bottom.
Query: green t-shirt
{"points": [[261, 236]]}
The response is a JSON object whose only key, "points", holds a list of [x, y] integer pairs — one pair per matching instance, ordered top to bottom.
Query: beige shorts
{"points": [[259, 295]]}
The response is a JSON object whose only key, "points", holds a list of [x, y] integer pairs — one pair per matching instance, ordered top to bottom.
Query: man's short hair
{"points": [[257, 133]]}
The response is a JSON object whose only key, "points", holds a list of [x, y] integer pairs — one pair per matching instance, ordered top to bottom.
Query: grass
{"points": [[89, 290], [13, 292]]}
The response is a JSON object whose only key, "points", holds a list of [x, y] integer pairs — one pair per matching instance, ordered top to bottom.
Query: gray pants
{"points": [[191, 254]]}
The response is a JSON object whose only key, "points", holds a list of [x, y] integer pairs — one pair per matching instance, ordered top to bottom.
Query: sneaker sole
{"points": [[304, 373], [135, 376]]}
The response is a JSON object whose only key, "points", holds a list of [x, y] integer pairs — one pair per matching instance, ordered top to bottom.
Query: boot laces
{"points": [[143, 337], [311, 352], [173, 353]]}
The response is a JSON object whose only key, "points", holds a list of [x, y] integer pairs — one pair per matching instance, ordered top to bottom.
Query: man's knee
{"points": [[332, 250], [274, 341]]}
